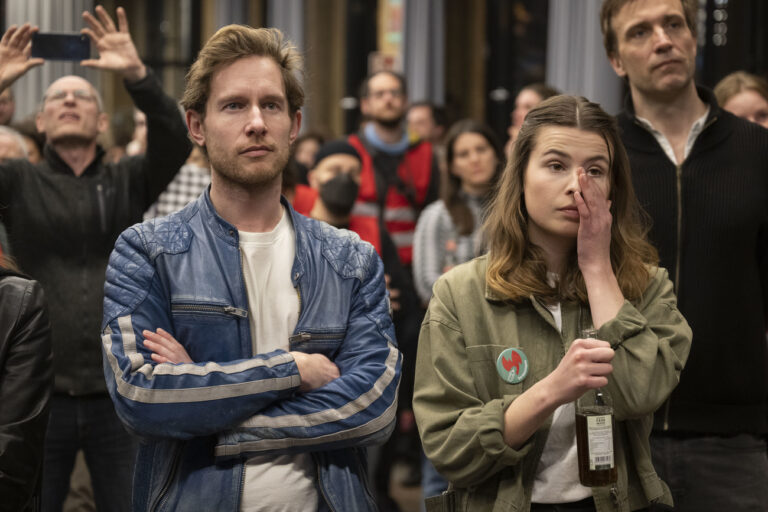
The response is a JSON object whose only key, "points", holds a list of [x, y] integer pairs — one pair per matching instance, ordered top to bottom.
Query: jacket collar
{"points": [[705, 94], [643, 141], [57, 164], [228, 232]]}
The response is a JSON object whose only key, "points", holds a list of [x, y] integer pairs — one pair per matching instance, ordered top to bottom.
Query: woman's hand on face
{"points": [[593, 241], [165, 348], [585, 366]]}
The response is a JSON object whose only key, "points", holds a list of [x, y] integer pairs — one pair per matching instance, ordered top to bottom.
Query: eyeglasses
{"points": [[396, 93], [78, 94]]}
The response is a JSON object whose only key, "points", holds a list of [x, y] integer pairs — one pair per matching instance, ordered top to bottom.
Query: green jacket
{"points": [[460, 399]]}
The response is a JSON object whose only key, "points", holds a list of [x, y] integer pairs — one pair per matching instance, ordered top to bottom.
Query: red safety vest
{"points": [[304, 199], [399, 216]]}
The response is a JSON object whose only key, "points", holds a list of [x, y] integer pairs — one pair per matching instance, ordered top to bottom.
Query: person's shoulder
{"points": [[434, 210], [167, 234], [342, 249], [466, 279]]}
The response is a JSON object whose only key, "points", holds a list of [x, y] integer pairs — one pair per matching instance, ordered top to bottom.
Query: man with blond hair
{"points": [[702, 175], [250, 346]]}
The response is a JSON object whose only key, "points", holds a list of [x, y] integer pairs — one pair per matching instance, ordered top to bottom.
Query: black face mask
{"points": [[339, 194]]}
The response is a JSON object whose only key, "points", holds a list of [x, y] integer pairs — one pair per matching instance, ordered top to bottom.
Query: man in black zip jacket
{"points": [[702, 175], [63, 216]]}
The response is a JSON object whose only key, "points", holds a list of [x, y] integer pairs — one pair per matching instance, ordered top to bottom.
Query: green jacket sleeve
{"points": [[651, 341], [461, 434]]}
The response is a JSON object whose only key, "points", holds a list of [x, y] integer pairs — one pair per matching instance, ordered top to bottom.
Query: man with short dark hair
{"points": [[427, 121], [702, 175], [399, 177], [63, 216], [250, 346]]}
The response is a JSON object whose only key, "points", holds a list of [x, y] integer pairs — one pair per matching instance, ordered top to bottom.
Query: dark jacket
{"points": [[710, 215], [62, 227], [26, 378]]}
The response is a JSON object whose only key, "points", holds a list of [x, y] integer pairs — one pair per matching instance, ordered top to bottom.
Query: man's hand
{"points": [[15, 47], [116, 49], [394, 293], [165, 348], [315, 370]]}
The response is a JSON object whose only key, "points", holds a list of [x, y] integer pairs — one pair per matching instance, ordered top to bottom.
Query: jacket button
{"points": [[231, 232]]}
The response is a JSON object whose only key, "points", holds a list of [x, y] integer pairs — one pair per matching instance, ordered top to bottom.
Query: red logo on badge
{"points": [[512, 363]]}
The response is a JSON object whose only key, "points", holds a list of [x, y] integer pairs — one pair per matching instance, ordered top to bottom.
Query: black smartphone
{"points": [[55, 46]]}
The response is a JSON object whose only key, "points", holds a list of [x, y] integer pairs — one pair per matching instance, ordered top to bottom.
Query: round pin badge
{"points": [[512, 365]]}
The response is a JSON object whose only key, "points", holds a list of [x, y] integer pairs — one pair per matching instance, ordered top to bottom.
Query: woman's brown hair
{"points": [[451, 186], [516, 266]]}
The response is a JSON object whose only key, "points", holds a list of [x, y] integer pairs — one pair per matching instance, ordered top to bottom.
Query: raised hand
{"points": [[15, 47], [116, 49], [595, 219], [165, 348]]}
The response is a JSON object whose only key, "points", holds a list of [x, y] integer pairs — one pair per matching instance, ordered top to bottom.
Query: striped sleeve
{"points": [[429, 248], [175, 400], [357, 409]]}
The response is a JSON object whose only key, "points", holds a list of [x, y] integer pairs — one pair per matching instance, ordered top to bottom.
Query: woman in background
{"points": [[744, 95], [448, 230]]}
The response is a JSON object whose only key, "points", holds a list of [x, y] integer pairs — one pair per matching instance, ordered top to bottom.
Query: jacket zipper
{"points": [[102, 207], [678, 252], [298, 292], [209, 308], [306, 336], [163, 495]]}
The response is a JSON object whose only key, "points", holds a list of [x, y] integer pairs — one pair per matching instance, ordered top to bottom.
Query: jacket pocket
{"points": [[209, 331], [320, 341], [488, 382]]}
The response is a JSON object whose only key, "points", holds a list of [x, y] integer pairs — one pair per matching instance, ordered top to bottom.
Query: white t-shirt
{"points": [[557, 475], [285, 482]]}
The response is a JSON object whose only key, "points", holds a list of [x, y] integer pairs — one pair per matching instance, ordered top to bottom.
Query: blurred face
{"points": [[655, 48], [525, 101], [385, 103], [750, 105], [7, 107], [71, 112], [420, 122], [248, 128], [9, 148], [306, 151], [33, 152], [474, 162], [332, 166], [551, 178]]}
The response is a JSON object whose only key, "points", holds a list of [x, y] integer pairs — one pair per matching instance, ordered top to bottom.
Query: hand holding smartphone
{"points": [[59, 46]]}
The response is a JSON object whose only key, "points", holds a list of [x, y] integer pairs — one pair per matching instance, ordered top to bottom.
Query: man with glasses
{"points": [[399, 178], [63, 216]]}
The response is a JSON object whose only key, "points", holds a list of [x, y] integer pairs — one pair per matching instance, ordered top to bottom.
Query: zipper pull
{"points": [[236, 311], [302, 336]]}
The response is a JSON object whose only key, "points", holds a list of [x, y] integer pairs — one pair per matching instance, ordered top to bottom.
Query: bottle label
{"points": [[600, 438]]}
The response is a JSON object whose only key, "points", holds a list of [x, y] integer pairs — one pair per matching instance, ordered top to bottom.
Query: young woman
{"points": [[744, 95], [448, 231], [567, 251]]}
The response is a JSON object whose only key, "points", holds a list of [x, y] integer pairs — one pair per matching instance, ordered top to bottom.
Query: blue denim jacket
{"points": [[199, 422]]}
